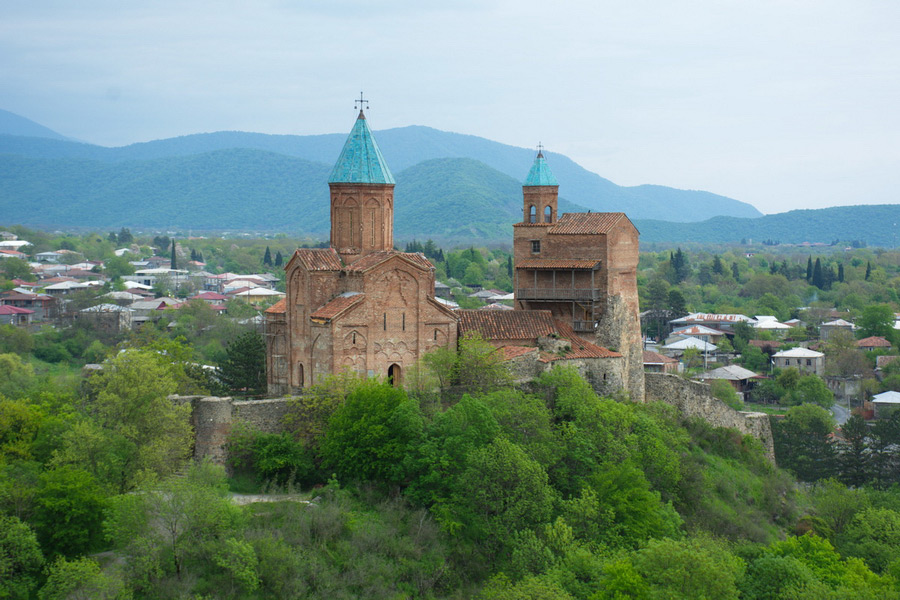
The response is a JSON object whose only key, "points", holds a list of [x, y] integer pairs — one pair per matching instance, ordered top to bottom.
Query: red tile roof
{"points": [[587, 223], [376, 258], [319, 259], [549, 263], [278, 307], [335, 307], [14, 310], [507, 324], [874, 341], [581, 348], [511, 352], [655, 358]]}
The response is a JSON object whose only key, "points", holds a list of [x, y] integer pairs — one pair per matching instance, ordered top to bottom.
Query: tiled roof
{"points": [[361, 160], [540, 173], [586, 223], [375, 258], [319, 259], [550, 263], [336, 306], [278, 307], [14, 310], [507, 324], [873, 342], [581, 348], [511, 352], [655, 358]]}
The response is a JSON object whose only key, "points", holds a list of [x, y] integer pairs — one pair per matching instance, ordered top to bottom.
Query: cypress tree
{"points": [[267, 257], [278, 258], [174, 264], [509, 266], [717, 266], [809, 269], [868, 270], [735, 272], [841, 272], [818, 277]]}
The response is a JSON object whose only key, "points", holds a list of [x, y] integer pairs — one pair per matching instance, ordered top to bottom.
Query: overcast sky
{"points": [[783, 104]]}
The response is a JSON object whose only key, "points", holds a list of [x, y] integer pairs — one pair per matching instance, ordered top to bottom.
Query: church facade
{"points": [[359, 305], [363, 307]]}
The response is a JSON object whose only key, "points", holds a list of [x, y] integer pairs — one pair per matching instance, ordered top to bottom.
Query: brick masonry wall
{"points": [[694, 399]]}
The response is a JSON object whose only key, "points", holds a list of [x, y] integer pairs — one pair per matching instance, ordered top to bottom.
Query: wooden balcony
{"points": [[557, 293]]}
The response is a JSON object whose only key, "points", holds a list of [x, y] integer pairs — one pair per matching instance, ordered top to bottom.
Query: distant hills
{"points": [[453, 188]]}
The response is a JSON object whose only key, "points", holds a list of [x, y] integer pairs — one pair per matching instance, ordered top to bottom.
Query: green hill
{"points": [[404, 148], [228, 189], [458, 200], [877, 225]]}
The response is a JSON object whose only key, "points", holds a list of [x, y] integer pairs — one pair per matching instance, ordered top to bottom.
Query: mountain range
{"points": [[453, 188]]}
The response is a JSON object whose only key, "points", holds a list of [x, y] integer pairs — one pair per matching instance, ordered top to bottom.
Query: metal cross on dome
{"points": [[359, 103], [540, 149]]}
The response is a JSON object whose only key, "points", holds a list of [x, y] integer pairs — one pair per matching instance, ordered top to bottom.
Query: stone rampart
{"points": [[694, 399], [212, 416]]}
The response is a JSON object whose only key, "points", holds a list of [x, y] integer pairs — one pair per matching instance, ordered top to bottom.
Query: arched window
{"points": [[532, 214], [548, 214], [435, 335], [300, 375]]}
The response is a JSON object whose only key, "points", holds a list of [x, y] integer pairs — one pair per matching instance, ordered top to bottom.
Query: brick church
{"points": [[362, 306]]}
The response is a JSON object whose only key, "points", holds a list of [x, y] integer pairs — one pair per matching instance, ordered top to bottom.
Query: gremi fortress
{"points": [[363, 307]]}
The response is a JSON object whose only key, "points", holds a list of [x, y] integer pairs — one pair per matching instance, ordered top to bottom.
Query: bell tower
{"points": [[540, 192], [362, 195]]}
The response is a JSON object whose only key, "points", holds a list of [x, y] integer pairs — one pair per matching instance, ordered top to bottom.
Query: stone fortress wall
{"points": [[694, 399], [212, 417]]}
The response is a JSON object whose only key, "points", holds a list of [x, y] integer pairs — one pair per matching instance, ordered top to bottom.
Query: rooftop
{"points": [[361, 160]]}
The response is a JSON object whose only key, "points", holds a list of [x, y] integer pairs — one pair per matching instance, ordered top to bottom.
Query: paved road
{"points": [[841, 414]]}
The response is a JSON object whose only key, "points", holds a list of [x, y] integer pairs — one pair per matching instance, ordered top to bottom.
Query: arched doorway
{"points": [[299, 374], [394, 375]]}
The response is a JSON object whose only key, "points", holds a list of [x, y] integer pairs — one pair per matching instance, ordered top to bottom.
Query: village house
{"points": [[826, 330], [802, 359]]}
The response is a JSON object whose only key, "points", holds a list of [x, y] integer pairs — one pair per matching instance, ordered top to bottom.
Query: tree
{"points": [[267, 257], [279, 260], [173, 261], [118, 266], [717, 266], [680, 267], [15, 268], [809, 269], [868, 270], [735, 272], [818, 277], [677, 304], [877, 319], [479, 365], [244, 369], [724, 391], [136, 432], [372, 433], [802, 442], [854, 455], [501, 491], [69, 508], [159, 528], [873, 535], [20, 558], [689, 569], [81, 579]]}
